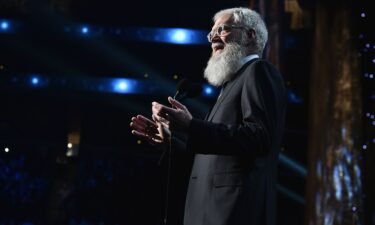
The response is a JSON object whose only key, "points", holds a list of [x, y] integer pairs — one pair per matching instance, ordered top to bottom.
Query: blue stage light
{"points": [[4, 25], [84, 30], [172, 35], [179, 36], [34, 81], [124, 86], [208, 90], [292, 97]]}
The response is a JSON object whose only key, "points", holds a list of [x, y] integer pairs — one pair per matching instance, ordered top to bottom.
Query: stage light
{"points": [[4, 25], [84, 30], [179, 36], [184, 36], [34, 81], [123, 85], [208, 90], [292, 97], [70, 145], [6, 149]]}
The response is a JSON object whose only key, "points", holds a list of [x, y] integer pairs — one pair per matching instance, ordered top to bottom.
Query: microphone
{"points": [[186, 89]]}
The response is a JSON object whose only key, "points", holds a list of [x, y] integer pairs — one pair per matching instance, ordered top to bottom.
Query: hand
{"points": [[176, 118], [163, 129], [153, 132]]}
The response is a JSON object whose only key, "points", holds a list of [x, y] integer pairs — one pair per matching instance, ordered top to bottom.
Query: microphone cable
{"points": [[189, 90], [168, 183]]}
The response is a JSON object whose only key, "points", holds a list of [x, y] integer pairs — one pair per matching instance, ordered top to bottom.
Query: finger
{"points": [[176, 103], [157, 107], [158, 110], [163, 111], [156, 118], [160, 119], [138, 121], [146, 121], [162, 122], [144, 124], [165, 125], [140, 127], [139, 134], [145, 135], [152, 140]]}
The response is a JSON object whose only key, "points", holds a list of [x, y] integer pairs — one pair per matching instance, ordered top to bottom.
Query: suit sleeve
{"points": [[253, 135]]}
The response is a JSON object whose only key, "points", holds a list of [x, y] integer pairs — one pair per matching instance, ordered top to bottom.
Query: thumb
{"points": [[176, 103]]}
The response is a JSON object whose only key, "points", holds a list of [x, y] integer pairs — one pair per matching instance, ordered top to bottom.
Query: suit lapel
{"points": [[227, 89], [220, 100]]}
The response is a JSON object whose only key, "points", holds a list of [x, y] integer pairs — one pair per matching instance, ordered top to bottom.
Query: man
{"points": [[233, 179]]}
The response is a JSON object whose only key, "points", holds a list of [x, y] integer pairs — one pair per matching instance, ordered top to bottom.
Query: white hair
{"points": [[250, 19], [222, 67]]}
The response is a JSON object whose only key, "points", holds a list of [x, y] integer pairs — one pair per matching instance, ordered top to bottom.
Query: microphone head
{"points": [[183, 85], [186, 89], [194, 90]]}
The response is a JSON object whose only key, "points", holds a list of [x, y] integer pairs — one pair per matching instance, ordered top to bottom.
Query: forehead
{"points": [[223, 19]]}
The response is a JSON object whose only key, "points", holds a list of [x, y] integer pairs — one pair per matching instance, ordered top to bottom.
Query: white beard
{"points": [[221, 68]]}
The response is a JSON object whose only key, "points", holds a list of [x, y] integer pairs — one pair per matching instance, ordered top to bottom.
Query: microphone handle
{"points": [[175, 95], [180, 97]]}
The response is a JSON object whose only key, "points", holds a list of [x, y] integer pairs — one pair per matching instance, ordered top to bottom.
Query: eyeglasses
{"points": [[221, 30]]}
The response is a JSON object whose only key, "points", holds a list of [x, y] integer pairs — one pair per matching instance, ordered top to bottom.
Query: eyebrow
{"points": [[222, 24]]}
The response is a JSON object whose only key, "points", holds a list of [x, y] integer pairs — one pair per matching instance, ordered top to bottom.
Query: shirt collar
{"points": [[248, 58]]}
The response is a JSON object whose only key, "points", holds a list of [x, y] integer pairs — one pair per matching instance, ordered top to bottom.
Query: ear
{"points": [[251, 33], [251, 37]]}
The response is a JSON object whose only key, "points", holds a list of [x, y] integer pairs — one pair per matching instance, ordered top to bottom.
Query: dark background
{"points": [[115, 179]]}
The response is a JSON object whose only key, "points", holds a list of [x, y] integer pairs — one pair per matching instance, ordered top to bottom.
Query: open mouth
{"points": [[218, 47]]}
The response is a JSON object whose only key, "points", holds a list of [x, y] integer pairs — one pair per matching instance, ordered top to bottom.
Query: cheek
{"points": [[234, 38], [225, 39], [229, 40]]}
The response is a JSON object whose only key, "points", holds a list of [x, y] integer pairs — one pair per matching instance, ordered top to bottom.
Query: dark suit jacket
{"points": [[233, 179]]}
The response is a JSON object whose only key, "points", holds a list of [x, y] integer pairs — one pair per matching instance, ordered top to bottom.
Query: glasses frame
{"points": [[222, 27]]}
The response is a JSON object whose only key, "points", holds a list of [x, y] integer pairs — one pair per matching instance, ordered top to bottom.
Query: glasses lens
{"points": [[220, 30]]}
